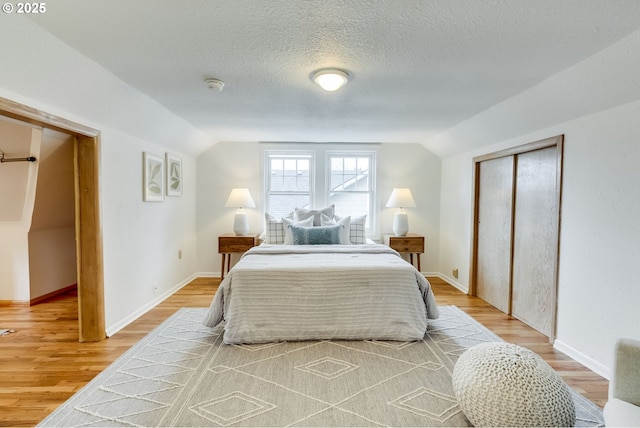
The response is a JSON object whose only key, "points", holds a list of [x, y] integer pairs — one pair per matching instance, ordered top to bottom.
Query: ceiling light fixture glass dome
{"points": [[330, 79]]}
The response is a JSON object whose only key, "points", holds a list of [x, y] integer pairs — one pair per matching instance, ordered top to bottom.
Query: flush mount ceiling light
{"points": [[330, 79], [216, 84]]}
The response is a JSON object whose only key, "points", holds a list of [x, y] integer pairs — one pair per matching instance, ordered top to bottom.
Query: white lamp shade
{"points": [[240, 198], [401, 198]]}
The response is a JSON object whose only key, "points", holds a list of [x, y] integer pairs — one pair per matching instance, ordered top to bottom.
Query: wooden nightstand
{"points": [[230, 243], [411, 243]]}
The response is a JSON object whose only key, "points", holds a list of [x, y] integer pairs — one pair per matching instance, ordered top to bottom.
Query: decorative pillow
{"points": [[303, 214], [288, 223], [274, 229], [345, 232], [357, 232], [319, 235]]}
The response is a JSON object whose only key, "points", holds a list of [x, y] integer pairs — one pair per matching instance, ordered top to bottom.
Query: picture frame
{"points": [[174, 175], [153, 177]]}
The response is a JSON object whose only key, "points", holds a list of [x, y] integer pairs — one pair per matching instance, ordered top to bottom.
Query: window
{"points": [[320, 177], [288, 182], [351, 185]]}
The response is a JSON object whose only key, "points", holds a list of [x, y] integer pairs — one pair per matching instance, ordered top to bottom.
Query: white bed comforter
{"points": [[309, 292]]}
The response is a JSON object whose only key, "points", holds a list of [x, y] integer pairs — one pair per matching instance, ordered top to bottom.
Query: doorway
{"points": [[516, 231], [52, 234], [90, 272]]}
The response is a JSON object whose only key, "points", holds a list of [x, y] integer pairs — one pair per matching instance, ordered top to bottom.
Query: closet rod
{"points": [[27, 159]]}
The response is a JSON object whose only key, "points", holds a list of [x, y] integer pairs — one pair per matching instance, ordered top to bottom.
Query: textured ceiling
{"points": [[418, 67]]}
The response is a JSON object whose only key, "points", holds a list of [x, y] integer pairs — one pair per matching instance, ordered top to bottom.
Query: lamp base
{"points": [[240, 223], [400, 224]]}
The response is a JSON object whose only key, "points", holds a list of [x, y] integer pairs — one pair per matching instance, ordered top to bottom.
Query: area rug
{"points": [[181, 374]]}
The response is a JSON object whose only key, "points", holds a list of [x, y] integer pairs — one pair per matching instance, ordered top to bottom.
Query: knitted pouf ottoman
{"points": [[501, 384]]}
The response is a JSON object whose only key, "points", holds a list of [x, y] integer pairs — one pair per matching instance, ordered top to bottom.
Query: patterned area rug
{"points": [[181, 374]]}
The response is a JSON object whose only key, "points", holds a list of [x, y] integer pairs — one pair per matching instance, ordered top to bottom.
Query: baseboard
{"points": [[207, 274], [427, 274], [453, 282], [55, 293], [39, 299], [6, 303], [113, 329], [583, 359]]}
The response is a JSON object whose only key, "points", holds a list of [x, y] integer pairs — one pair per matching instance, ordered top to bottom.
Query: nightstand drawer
{"points": [[235, 244], [407, 244]]}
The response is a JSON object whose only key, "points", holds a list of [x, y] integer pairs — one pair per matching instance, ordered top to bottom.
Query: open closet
{"points": [[86, 195]]}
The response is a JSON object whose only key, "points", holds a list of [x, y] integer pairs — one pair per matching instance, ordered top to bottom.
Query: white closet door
{"points": [[495, 203], [535, 242]]}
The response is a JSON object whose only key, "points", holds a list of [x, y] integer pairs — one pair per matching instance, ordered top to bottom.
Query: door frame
{"points": [[558, 142], [89, 253]]}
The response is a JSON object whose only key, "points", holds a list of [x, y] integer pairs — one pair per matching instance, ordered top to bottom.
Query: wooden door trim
{"points": [[38, 117], [558, 142], [529, 147], [514, 189], [90, 262], [556, 270], [91, 315]]}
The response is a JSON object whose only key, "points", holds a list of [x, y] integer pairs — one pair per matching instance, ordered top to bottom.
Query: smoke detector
{"points": [[216, 84]]}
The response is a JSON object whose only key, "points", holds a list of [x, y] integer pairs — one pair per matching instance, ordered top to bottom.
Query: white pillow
{"points": [[303, 214], [274, 229], [345, 230], [357, 232], [288, 236]]}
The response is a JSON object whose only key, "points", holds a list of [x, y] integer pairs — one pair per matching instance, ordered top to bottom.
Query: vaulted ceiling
{"points": [[418, 67]]}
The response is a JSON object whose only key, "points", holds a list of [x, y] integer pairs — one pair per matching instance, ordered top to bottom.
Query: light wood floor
{"points": [[42, 364]]}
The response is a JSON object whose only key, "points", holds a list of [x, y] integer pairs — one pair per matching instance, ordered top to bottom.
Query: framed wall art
{"points": [[174, 175], [153, 178]]}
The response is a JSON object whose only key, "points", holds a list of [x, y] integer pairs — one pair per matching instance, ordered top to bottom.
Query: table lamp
{"points": [[240, 198], [401, 198]]}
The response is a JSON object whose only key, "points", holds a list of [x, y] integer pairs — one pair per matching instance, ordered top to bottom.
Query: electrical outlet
{"points": [[179, 254], [455, 273], [155, 287]]}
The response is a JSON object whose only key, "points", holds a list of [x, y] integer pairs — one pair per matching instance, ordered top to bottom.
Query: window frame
{"points": [[269, 155], [371, 229]]}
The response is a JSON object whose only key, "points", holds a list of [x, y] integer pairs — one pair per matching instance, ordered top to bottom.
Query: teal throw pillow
{"points": [[321, 235]]}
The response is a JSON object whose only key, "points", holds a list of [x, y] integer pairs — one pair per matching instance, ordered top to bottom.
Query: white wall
{"points": [[15, 142], [228, 165], [52, 236], [141, 239], [599, 273]]}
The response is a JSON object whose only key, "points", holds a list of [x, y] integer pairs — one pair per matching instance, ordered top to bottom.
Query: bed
{"points": [[315, 292]]}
